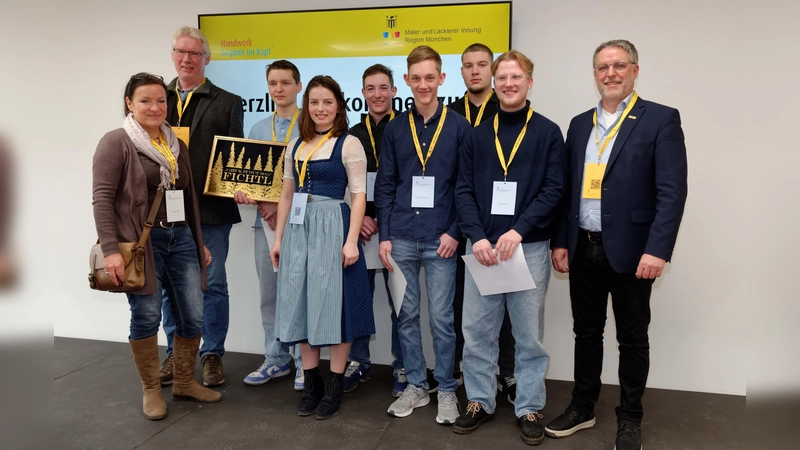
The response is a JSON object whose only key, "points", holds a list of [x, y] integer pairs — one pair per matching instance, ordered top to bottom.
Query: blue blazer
{"points": [[644, 187]]}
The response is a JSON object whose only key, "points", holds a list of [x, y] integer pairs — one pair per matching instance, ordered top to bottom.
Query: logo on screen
{"points": [[391, 21], [385, 34]]}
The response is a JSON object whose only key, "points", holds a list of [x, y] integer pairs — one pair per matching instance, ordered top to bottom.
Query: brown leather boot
{"points": [[145, 357], [184, 387]]}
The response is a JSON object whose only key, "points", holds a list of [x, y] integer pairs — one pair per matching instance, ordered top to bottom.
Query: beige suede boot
{"points": [[145, 357], [184, 387]]}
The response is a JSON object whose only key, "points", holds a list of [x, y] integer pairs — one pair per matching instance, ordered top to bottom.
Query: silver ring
{"points": [[106, 273]]}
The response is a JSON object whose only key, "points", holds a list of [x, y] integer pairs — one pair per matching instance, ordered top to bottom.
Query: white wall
{"points": [[724, 65]]}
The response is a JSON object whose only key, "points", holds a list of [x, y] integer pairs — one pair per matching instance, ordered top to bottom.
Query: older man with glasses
{"points": [[198, 110], [621, 213]]}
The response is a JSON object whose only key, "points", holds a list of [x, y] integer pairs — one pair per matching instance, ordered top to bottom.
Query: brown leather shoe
{"points": [[145, 357], [166, 371], [213, 372], [184, 386]]}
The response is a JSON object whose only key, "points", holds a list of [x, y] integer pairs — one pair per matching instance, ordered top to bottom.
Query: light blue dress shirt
{"points": [[262, 131], [589, 216]]}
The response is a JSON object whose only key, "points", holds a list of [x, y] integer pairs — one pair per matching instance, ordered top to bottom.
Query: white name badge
{"points": [[371, 186], [422, 190], [504, 198], [175, 208], [298, 211]]}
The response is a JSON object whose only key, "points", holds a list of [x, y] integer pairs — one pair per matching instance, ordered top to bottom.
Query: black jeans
{"points": [[591, 279], [505, 360]]}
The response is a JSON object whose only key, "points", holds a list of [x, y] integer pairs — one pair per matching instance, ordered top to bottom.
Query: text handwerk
{"points": [[235, 43]]}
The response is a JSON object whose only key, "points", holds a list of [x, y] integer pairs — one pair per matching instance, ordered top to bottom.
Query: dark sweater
{"points": [[492, 106], [359, 130], [537, 169]]}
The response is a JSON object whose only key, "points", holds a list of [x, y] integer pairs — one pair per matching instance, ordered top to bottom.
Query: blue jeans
{"points": [[176, 264], [440, 275], [216, 309], [483, 317], [359, 349], [274, 351]]}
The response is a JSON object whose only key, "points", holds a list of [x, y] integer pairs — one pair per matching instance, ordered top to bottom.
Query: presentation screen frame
{"points": [[342, 43]]}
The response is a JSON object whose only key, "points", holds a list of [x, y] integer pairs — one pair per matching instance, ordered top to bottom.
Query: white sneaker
{"points": [[299, 380], [413, 397], [448, 408]]}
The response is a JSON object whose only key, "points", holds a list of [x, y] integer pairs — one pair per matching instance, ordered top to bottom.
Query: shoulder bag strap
{"points": [[148, 224]]}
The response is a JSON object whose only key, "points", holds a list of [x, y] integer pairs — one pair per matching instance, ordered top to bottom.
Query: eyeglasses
{"points": [[193, 55], [619, 66], [145, 76], [515, 79]]}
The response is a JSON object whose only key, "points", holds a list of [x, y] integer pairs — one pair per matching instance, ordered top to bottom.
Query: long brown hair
{"points": [[340, 122]]}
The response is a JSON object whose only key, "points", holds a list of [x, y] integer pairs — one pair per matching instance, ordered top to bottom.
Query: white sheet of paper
{"points": [[371, 186], [422, 190], [504, 198], [175, 209], [298, 212], [270, 234], [371, 253], [507, 276], [397, 285]]}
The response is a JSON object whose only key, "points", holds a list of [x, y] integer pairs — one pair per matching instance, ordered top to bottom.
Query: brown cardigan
{"points": [[119, 200]]}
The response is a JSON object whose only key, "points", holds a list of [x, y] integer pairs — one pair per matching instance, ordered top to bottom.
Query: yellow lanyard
{"points": [[182, 106], [480, 111], [291, 127], [614, 130], [372, 139], [433, 142], [516, 144], [164, 149], [308, 158]]}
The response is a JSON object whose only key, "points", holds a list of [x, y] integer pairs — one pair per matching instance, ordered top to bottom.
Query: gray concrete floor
{"points": [[97, 402]]}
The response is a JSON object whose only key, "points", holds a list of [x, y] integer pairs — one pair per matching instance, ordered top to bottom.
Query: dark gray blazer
{"points": [[220, 113]]}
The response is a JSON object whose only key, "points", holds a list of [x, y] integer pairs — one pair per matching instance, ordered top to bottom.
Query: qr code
{"points": [[595, 184], [297, 210]]}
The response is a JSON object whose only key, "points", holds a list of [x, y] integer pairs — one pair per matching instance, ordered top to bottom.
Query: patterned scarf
{"points": [[141, 140]]}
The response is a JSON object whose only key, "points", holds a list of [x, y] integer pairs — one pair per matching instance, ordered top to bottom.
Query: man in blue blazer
{"points": [[626, 191]]}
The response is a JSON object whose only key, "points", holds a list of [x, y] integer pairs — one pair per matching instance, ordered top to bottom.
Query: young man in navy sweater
{"points": [[511, 180]]}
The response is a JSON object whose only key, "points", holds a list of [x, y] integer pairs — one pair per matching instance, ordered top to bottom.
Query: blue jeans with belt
{"points": [[175, 255], [216, 309]]}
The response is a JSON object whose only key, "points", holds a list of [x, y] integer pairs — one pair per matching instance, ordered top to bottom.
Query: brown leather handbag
{"points": [[133, 255]]}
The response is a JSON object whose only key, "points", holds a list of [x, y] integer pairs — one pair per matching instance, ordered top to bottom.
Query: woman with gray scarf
{"points": [[130, 165]]}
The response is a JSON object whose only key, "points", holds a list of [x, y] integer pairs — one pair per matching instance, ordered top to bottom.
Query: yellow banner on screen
{"points": [[449, 29]]}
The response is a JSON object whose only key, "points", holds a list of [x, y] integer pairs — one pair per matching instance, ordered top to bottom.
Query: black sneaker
{"points": [[433, 385], [508, 385], [472, 418], [568, 423], [531, 429], [629, 437]]}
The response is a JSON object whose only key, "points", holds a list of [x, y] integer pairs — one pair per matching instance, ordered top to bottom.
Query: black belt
{"points": [[168, 225], [594, 237]]}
